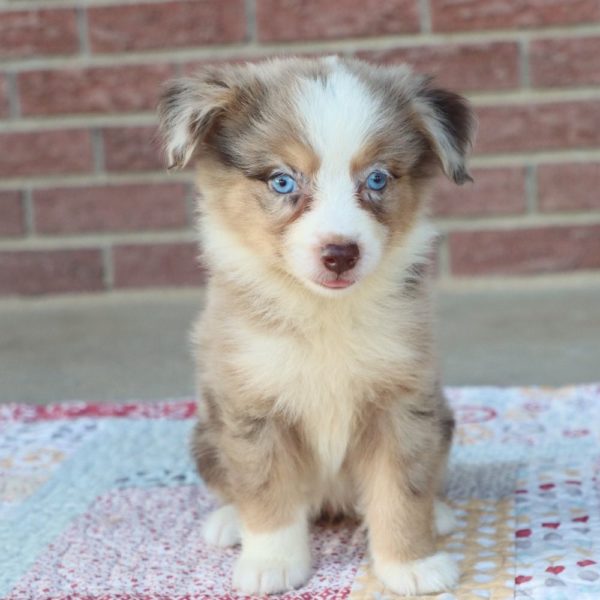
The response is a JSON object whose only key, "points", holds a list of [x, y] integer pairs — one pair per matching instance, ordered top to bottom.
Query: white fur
{"points": [[338, 116], [179, 143], [445, 520], [222, 527], [274, 562], [432, 574]]}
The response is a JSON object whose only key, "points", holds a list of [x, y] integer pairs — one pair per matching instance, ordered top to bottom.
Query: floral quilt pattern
{"points": [[101, 502]]}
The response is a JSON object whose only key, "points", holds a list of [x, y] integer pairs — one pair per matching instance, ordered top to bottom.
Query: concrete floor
{"points": [[134, 346]]}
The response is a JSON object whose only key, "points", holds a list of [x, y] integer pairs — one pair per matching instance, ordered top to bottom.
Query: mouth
{"points": [[337, 284]]}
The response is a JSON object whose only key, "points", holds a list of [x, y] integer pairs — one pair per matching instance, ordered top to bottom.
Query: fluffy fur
{"points": [[319, 391]]}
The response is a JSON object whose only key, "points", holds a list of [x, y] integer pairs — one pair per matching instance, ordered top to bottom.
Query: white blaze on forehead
{"points": [[339, 113]]}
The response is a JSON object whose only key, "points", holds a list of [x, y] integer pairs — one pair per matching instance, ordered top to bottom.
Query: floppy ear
{"points": [[187, 110], [449, 125]]}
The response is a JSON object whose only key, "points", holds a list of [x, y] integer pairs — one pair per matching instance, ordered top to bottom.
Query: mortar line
{"points": [[8, 5], [425, 16], [251, 25], [83, 31], [524, 64], [12, 89], [50, 122], [98, 150], [517, 158], [109, 178], [531, 191], [190, 204], [28, 211], [522, 221], [100, 240], [443, 256], [108, 272], [565, 279]]}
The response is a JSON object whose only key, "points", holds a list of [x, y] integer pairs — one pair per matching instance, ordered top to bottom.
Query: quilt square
{"points": [[146, 543]]}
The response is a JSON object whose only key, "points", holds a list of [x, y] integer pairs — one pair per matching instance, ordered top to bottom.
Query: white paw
{"points": [[445, 521], [222, 527], [275, 561], [435, 573], [252, 576]]}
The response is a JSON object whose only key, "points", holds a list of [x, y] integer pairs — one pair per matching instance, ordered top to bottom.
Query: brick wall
{"points": [[85, 204]]}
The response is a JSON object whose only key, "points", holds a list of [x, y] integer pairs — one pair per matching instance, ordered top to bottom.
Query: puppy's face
{"points": [[315, 167]]}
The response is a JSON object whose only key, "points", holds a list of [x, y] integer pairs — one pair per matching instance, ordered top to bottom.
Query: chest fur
{"points": [[321, 381]]}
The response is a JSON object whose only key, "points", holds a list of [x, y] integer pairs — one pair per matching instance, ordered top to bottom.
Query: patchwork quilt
{"points": [[102, 502]]}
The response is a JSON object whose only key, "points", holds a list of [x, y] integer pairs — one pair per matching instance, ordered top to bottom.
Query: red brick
{"points": [[456, 15], [292, 20], [166, 25], [38, 32], [565, 62], [484, 66], [192, 67], [93, 90], [4, 106], [543, 126], [133, 149], [45, 152], [566, 187], [499, 191], [135, 207], [12, 219], [525, 251], [156, 265], [31, 272]]}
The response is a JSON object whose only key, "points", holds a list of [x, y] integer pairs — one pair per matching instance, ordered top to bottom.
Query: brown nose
{"points": [[340, 257]]}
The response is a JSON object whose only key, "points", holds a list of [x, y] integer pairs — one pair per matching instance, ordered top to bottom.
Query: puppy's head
{"points": [[314, 168]]}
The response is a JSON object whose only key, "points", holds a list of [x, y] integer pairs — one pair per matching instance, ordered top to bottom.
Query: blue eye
{"points": [[377, 180], [283, 184]]}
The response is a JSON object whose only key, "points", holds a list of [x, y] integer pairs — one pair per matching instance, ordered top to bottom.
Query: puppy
{"points": [[315, 360]]}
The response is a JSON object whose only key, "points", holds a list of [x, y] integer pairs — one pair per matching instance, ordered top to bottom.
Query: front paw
{"points": [[436, 573], [269, 576]]}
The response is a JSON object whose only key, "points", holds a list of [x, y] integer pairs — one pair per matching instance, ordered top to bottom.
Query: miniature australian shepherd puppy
{"points": [[316, 369]]}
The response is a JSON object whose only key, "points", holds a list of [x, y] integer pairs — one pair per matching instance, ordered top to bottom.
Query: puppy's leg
{"points": [[257, 465], [267, 470], [398, 496], [445, 519], [274, 558]]}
